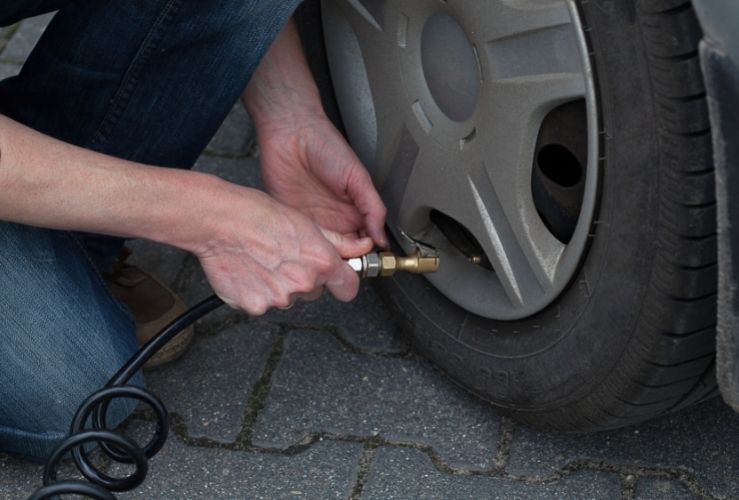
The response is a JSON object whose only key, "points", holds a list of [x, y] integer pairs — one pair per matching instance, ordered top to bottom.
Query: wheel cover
{"points": [[444, 102]]}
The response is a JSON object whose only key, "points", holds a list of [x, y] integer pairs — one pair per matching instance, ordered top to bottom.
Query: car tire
{"points": [[632, 336]]}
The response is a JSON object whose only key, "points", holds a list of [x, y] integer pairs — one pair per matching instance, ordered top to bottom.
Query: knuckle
{"points": [[325, 262], [306, 282]]}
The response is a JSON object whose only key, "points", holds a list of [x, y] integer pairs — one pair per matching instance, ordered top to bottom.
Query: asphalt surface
{"points": [[327, 400]]}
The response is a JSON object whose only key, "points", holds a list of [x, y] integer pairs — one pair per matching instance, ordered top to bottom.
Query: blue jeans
{"points": [[145, 80]]}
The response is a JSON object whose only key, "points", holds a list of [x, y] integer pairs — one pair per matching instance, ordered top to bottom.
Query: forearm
{"points": [[282, 90], [48, 183]]}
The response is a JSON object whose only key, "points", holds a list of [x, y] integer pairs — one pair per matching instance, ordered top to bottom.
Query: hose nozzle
{"points": [[384, 264]]}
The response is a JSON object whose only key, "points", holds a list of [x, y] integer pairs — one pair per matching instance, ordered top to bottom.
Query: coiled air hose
{"points": [[118, 447], [123, 449]]}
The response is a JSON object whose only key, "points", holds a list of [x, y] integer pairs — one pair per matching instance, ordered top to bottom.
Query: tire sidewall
{"points": [[564, 352]]}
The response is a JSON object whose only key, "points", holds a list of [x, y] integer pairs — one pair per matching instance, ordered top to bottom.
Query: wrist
{"points": [[282, 89], [280, 107], [191, 221]]}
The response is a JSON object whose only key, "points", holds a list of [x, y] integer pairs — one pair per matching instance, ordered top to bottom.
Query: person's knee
{"points": [[57, 348], [37, 414]]}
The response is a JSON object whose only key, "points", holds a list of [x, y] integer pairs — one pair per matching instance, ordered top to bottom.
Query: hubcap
{"points": [[450, 67], [477, 121]]}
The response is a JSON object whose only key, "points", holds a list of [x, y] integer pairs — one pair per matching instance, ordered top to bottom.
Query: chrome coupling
{"points": [[385, 264]]}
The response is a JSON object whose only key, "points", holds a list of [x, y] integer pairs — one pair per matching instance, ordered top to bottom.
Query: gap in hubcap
{"points": [[450, 66], [558, 174]]}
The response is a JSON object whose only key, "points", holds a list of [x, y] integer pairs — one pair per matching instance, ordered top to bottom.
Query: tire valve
{"points": [[475, 259], [385, 264]]}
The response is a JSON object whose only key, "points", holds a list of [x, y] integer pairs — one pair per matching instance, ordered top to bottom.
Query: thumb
{"points": [[348, 247]]}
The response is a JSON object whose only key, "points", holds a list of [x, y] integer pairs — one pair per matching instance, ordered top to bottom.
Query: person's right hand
{"points": [[262, 254]]}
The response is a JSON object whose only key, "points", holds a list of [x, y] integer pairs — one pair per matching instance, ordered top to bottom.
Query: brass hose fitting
{"points": [[385, 264]]}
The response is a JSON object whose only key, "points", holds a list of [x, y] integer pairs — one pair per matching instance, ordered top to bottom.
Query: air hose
{"points": [[89, 424], [118, 447]]}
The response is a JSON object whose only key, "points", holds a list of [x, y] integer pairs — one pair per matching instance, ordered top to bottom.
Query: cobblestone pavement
{"points": [[327, 401]]}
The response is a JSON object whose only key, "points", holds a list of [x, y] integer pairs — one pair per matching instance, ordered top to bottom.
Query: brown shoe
{"points": [[153, 306]]}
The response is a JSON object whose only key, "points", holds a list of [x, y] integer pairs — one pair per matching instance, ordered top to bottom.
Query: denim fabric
{"points": [[145, 80], [62, 337]]}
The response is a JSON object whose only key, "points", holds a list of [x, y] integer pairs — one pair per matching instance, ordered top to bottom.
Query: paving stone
{"points": [[25, 38], [9, 69], [236, 135], [242, 171], [163, 261], [366, 322], [210, 386], [318, 387], [694, 440], [325, 470], [405, 474], [18, 479], [650, 488]]}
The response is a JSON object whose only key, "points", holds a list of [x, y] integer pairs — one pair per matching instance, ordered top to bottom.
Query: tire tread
{"points": [[669, 364]]}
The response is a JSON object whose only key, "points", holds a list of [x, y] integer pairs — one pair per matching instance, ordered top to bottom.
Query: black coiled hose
{"points": [[117, 446]]}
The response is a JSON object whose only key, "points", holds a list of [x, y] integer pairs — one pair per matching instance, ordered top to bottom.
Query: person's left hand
{"points": [[309, 166]]}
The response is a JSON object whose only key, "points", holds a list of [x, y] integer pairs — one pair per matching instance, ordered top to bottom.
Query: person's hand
{"points": [[308, 165], [261, 254]]}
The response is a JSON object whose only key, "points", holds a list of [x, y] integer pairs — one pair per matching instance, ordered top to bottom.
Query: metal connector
{"points": [[385, 264]]}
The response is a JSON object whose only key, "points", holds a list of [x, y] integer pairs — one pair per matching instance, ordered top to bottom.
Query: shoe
{"points": [[153, 305]]}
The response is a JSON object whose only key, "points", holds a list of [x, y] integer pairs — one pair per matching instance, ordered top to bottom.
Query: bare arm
{"points": [[306, 163], [48, 183], [256, 252]]}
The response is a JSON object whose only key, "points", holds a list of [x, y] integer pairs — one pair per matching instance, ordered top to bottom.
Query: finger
{"points": [[370, 205], [348, 247], [344, 283], [310, 296]]}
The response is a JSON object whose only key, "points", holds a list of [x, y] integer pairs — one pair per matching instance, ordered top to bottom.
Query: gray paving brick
{"points": [[25, 38], [9, 69], [235, 136], [365, 322], [210, 386], [318, 387], [694, 440], [325, 470], [406, 473], [18, 479], [650, 488]]}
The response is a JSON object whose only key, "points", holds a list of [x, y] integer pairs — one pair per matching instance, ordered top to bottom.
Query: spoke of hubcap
{"points": [[495, 20], [374, 25], [379, 30], [523, 86], [476, 166], [469, 198]]}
